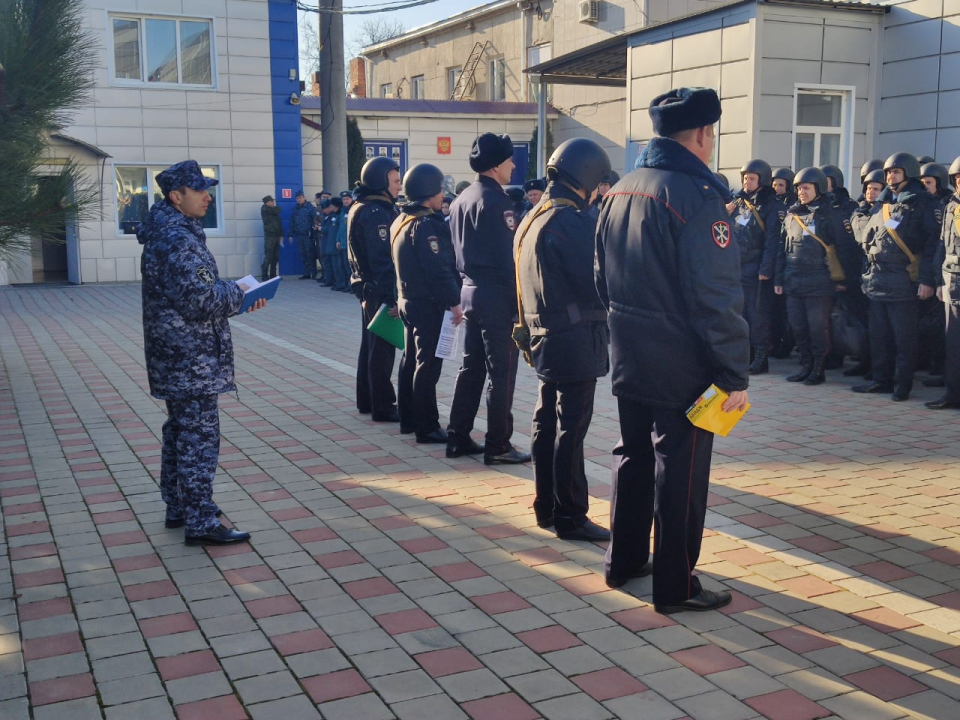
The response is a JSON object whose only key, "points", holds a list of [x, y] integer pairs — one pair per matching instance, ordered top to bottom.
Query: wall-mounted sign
{"points": [[443, 146]]}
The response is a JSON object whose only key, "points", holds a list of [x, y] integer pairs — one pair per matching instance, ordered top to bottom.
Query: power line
{"points": [[374, 9]]}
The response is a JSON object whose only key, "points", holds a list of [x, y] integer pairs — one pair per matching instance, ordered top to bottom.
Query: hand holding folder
{"points": [[257, 291], [387, 327], [707, 412]]}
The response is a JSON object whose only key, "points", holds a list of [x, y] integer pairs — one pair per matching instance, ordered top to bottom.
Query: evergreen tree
{"points": [[46, 73], [355, 155], [532, 156]]}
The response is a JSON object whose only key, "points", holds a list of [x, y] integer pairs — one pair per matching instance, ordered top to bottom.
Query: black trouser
{"points": [[308, 254], [271, 256], [327, 263], [341, 270], [758, 298], [859, 306], [810, 320], [930, 338], [893, 341], [488, 350], [374, 366], [419, 367], [951, 367], [560, 423], [661, 472]]}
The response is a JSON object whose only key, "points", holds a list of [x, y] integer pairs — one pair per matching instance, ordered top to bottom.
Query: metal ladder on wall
{"points": [[467, 73]]}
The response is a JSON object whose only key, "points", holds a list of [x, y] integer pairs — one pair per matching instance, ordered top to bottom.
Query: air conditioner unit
{"points": [[588, 11]]}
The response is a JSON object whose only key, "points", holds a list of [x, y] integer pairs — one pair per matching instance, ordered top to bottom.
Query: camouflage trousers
{"points": [[191, 448]]}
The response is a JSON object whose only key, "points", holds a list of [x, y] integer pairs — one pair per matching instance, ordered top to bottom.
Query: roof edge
{"points": [[414, 33]]}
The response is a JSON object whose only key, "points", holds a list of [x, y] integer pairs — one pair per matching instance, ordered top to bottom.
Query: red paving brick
{"points": [[365, 501], [468, 510], [290, 514], [392, 522], [29, 528], [499, 532], [313, 535], [124, 538], [424, 544], [817, 544], [33, 551], [540, 556], [745, 557], [339, 559], [136, 562], [458, 571], [884, 571], [254, 573], [38, 578], [581, 585], [808, 586], [372, 587], [150, 590], [947, 600], [500, 602], [740, 603], [268, 607], [45, 609], [641, 618], [884, 620], [404, 621], [167, 625], [547, 639], [800, 639], [301, 642], [52, 645], [707, 659], [439, 663], [187, 665], [885, 683], [608, 684], [335, 685], [46, 692], [787, 705], [227, 707], [500, 707]]}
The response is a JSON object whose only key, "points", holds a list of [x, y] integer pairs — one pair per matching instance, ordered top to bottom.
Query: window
{"points": [[165, 51], [535, 55], [453, 74], [497, 80], [386, 90], [418, 90], [822, 125], [135, 197]]}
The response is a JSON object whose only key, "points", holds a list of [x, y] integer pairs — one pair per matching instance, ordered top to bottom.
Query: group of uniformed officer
{"points": [[887, 260]]}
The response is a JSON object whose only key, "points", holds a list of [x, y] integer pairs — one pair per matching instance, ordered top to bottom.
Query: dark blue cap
{"points": [[684, 109], [490, 150], [184, 174], [537, 184], [299, 194], [325, 203]]}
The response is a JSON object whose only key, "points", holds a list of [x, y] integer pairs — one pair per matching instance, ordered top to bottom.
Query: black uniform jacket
{"points": [[482, 221], [758, 239], [368, 247], [424, 258], [947, 258], [802, 262], [668, 270], [886, 277], [567, 321]]}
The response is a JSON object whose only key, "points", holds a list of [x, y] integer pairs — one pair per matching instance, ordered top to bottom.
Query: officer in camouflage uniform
{"points": [[272, 237], [188, 349]]}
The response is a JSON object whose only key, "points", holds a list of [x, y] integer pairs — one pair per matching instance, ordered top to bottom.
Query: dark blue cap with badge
{"points": [[684, 109], [184, 174], [537, 184]]}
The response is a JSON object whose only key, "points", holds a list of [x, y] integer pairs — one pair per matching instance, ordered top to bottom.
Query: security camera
{"points": [[294, 99]]}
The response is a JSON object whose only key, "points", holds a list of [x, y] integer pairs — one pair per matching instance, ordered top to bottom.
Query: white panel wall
{"points": [[230, 126]]}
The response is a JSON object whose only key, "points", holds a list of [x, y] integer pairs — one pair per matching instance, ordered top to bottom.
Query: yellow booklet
{"points": [[707, 412]]}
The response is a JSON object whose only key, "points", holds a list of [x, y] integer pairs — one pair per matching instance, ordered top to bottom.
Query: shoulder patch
{"points": [[782, 214], [938, 214], [510, 218], [847, 226], [382, 231], [721, 233], [434, 244], [204, 273]]}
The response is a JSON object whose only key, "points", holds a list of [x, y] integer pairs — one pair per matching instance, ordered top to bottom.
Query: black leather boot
{"points": [[761, 363], [806, 367], [816, 376]]}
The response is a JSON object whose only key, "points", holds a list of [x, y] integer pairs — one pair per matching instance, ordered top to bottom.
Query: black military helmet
{"points": [[924, 159], [580, 162], [906, 162], [868, 167], [760, 168], [954, 170], [832, 171], [938, 171], [783, 173], [373, 175], [814, 176], [874, 176], [613, 178], [722, 179], [422, 181]]}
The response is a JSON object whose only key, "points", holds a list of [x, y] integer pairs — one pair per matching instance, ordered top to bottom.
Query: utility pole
{"points": [[333, 100]]}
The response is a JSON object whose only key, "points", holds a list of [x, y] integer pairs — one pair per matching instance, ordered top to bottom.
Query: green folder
{"points": [[389, 328]]}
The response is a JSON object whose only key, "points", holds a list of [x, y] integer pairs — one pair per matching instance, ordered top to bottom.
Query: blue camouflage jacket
{"points": [[186, 335]]}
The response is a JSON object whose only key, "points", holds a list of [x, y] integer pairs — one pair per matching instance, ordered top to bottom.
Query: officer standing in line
{"points": [[866, 169], [935, 179], [782, 184], [602, 189], [533, 190], [482, 222], [756, 226], [329, 227], [301, 231], [272, 237], [900, 239], [947, 260], [341, 266], [803, 273], [670, 280], [374, 281], [428, 285], [567, 334], [188, 349]]}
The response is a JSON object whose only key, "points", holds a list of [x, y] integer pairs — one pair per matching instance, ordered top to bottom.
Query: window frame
{"points": [[141, 18], [453, 76], [491, 77], [418, 87], [383, 91], [847, 94], [218, 231]]}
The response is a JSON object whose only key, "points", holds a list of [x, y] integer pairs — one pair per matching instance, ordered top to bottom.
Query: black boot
{"points": [[760, 364], [806, 367], [816, 376]]}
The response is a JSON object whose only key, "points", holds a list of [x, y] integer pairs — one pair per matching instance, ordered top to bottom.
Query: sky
{"points": [[411, 18]]}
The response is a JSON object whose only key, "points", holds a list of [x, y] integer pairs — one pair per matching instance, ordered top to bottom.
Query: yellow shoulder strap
{"points": [[753, 209], [956, 219], [807, 231], [895, 235]]}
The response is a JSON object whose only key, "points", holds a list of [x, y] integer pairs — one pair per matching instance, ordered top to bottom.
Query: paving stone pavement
{"points": [[384, 580]]}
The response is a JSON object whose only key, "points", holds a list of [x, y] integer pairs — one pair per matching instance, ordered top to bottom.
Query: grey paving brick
{"points": [[285, 624], [111, 625], [228, 625], [48, 626], [425, 640], [366, 641], [246, 642], [480, 642], [167, 645], [99, 648], [577, 660], [317, 662], [384, 662], [250, 664], [57, 666], [125, 666], [677, 683], [472, 685], [542, 685], [12, 686], [404, 686], [198, 687], [267, 687], [118, 692], [717, 705], [367, 706], [643, 706], [434, 707], [573, 707], [291, 708], [15, 709], [82, 709], [155, 709]]}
